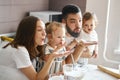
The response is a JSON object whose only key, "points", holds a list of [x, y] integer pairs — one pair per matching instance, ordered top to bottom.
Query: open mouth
{"points": [[89, 29], [77, 30], [43, 39], [62, 42]]}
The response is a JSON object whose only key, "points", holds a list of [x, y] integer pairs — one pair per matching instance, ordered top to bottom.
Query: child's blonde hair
{"points": [[88, 16], [47, 23], [53, 26]]}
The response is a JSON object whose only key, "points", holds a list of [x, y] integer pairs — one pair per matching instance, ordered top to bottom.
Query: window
{"points": [[112, 34]]}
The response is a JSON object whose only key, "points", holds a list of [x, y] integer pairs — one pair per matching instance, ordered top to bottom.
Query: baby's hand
{"points": [[59, 46], [95, 54]]}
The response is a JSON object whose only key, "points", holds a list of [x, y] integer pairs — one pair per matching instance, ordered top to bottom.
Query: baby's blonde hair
{"points": [[53, 26]]}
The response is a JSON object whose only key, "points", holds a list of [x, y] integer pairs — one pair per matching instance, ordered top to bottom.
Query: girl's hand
{"points": [[59, 46]]}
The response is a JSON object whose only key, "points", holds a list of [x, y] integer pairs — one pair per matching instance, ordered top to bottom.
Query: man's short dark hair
{"points": [[68, 9]]}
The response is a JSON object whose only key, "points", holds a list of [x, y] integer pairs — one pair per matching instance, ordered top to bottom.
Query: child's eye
{"points": [[91, 24], [85, 25], [63, 36], [59, 37]]}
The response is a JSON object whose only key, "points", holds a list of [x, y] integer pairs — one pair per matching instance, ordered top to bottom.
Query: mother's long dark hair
{"points": [[25, 35]]}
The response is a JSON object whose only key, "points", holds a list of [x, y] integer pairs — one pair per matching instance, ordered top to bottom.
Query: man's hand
{"points": [[87, 43], [71, 45], [60, 46]]}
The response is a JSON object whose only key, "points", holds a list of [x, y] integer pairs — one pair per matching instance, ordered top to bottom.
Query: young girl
{"points": [[89, 34], [56, 43]]}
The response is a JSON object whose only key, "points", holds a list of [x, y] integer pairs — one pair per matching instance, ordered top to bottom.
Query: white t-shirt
{"points": [[89, 37], [68, 40], [14, 59], [8, 73]]}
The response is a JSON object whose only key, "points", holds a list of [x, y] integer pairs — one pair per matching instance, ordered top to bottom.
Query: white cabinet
{"points": [[47, 16]]}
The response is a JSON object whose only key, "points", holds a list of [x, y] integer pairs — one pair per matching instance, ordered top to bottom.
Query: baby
{"points": [[89, 34], [56, 43]]}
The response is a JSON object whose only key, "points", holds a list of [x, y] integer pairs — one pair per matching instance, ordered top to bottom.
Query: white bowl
{"points": [[73, 72], [56, 78]]}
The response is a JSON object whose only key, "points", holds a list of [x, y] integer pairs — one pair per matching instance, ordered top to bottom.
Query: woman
{"points": [[19, 53]]}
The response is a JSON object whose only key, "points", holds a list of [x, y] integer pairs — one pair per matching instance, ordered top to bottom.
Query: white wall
{"points": [[100, 7], [12, 11]]}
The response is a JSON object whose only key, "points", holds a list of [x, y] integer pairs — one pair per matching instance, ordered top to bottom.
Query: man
{"points": [[72, 17]]}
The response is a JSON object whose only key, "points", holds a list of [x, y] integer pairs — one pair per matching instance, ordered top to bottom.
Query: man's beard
{"points": [[72, 33]]}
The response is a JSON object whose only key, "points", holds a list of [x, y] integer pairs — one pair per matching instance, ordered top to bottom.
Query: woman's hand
{"points": [[66, 53], [56, 55]]}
